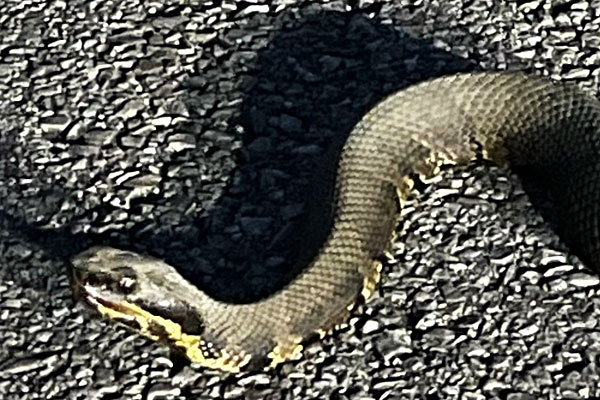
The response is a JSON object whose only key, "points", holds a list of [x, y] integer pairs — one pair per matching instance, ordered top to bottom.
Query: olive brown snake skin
{"points": [[511, 119]]}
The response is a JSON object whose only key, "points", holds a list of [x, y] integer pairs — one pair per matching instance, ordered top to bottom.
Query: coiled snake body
{"points": [[509, 118]]}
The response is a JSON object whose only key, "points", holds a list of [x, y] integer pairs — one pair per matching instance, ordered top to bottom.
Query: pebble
{"points": [[583, 280], [370, 327]]}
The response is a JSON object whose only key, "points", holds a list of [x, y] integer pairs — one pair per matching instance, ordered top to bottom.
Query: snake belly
{"points": [[510, 118]]}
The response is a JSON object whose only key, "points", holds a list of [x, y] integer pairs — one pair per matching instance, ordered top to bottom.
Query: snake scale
{"points": [[512, 119]]}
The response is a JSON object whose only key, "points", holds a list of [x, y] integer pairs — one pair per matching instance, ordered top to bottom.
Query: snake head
{"points": [[139, 291], [149, 296]]}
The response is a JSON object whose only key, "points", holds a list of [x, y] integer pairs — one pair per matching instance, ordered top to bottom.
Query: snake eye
{"points": [[127, 282]]}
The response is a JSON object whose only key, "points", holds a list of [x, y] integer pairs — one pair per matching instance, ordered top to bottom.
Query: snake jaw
{"points": [[196, 349]]}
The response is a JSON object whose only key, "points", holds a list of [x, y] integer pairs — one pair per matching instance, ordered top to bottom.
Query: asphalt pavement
{"points": [[190, 130]]}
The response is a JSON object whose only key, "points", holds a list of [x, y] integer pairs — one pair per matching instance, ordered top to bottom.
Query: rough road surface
{"points": [[189, 130]]}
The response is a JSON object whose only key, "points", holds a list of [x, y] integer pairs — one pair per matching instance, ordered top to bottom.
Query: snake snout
{"points": [[103, 273]]}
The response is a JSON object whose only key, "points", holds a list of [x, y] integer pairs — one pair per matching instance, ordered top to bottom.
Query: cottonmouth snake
{"points": [[512, 119]]}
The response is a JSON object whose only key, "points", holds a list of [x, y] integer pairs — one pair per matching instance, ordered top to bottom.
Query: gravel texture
{"points": [[189, 130]]}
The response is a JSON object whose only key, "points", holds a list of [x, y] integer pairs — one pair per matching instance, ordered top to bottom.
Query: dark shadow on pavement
{"points": [[305, 91]]}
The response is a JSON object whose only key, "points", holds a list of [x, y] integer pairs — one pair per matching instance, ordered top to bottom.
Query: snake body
{"points": [[510, 118]]}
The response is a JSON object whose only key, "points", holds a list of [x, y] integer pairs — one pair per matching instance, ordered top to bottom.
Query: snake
{"points": [[514, 119]]}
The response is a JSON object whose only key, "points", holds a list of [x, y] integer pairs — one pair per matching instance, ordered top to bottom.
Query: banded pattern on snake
{"points": [[509, 118]]}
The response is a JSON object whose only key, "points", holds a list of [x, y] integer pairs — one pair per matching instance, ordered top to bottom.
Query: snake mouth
{"points": [[117, 310]]}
